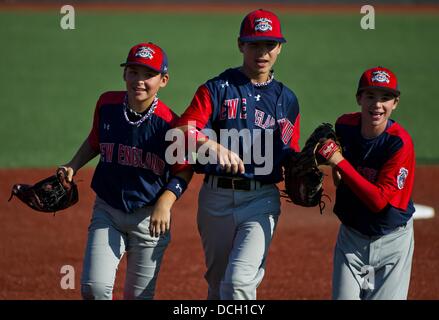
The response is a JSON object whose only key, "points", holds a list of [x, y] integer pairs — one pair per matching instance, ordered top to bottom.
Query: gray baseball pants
{"points": [[236, 229], [112, 233], [372, 268]]}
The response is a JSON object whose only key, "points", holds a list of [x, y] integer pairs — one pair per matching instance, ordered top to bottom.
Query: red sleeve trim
{"points": [[111, 97], [200, 109], [165, 113], [352, 119], [93, 137], [294, 142], [179, 167], [400, 169]]}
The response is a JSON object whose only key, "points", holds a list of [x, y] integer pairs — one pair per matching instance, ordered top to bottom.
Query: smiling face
{"points": [[259, 58], [142, 85], [376, 107]]}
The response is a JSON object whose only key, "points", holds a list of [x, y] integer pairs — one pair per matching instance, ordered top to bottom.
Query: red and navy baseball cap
{"points": [[261, 25], [149, 55], [381, 78]]}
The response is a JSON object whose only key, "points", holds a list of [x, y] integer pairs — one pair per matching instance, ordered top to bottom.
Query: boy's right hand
{"points": [[228, 160]]}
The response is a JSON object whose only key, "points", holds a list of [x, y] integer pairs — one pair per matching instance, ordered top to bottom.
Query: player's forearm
{"points": [[193, 135], [84, 154], [228, 160], [186, 174], [175, 188], [370, 194], [166, 200]]}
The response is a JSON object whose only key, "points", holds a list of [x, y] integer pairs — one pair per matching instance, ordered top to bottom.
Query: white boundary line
{"points": [[423, 212]]}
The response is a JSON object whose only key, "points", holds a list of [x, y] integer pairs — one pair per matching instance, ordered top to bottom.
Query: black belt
{"points": [[233, 183]]}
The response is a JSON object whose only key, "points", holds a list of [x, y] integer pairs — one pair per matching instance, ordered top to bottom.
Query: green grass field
{"points": [[51, 78]]}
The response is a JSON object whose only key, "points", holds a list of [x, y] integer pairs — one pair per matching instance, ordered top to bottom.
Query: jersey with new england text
{"points": [[265, 119], [388, 162], [132, 170]]}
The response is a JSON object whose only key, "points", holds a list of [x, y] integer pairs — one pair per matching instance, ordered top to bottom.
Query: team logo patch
{"points": [[263, 25], [145, 52], [380, 76], [402, 176]]}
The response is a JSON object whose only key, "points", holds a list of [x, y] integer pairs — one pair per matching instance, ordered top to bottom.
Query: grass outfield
{"points": [[51, 78]]}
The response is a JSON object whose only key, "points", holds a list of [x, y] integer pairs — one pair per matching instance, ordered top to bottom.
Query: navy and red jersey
{"points": [[231, 101], [132, 170], [374, 195]]}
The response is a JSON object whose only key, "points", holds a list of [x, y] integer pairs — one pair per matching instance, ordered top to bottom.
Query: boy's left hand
{"points": [[328, 152]]}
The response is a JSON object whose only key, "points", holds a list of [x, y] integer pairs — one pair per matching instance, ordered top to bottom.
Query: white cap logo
{"points": [[263, 25], [145, 52], [380, 76]]}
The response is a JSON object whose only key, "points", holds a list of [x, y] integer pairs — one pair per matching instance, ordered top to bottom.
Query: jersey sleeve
{"points": [[199, 110], [170, 121], [290, 126], [93, 137], [294, 142], [394, 183]]}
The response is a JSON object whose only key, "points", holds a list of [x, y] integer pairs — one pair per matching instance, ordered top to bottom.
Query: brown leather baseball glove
{"points": [[303, 179], [51, 194]]}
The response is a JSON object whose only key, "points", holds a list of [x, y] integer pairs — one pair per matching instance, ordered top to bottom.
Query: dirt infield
{"points": [[34, 247]]}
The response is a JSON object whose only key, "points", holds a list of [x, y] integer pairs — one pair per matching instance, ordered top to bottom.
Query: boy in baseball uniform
{"points": [[374, 175], [135, 187], [238, 204]]}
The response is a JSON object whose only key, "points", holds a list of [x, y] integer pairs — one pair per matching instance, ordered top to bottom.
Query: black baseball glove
{"points": [[303, 179], [52, 194]]}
